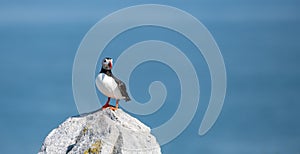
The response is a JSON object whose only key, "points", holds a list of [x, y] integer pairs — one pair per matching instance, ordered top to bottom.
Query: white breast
{"points": [[108, 86]]}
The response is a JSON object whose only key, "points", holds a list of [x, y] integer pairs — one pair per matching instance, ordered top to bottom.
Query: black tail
{"points": [[127, 99]]}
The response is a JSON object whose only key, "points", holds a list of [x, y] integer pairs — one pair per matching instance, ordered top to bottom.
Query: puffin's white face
{"points": [[107, 63]]}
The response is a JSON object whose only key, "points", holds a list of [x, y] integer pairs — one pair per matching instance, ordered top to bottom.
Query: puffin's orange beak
{"points": [[110, 65]]}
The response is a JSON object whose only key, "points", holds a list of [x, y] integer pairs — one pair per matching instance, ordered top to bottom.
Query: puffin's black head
{"points": [[107, 63]]}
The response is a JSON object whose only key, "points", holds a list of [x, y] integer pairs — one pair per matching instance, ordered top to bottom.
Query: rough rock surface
{"points": [[103, 132]]}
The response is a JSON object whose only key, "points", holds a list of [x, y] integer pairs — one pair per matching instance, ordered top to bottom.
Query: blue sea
{"points": [[259, 41]]}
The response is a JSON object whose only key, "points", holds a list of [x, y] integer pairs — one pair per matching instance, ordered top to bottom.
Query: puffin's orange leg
{"points": [[106, 104], [114, 108]]}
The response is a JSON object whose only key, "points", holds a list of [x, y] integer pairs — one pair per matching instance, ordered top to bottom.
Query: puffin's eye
{"points": [[104, 60]]}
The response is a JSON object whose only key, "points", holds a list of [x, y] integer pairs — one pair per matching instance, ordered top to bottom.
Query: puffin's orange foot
{"points": [[105, 106], [114, 108]]}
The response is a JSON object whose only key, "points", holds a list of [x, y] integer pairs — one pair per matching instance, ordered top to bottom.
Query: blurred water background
{"points": [[259, 41]]}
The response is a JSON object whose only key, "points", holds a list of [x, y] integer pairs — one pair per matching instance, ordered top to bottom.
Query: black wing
{"points": [[122, 88]]}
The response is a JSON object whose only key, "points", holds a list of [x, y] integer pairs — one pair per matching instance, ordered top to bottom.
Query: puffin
{"points": [[110, 86]]}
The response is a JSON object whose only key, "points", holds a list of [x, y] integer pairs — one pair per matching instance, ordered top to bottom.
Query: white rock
{"points": [[102, 132]]}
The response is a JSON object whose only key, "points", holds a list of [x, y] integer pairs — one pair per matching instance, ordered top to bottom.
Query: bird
{"points": [[109, 85]]}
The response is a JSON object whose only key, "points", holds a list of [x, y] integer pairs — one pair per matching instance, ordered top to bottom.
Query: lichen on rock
{"points": [[94, 149]]}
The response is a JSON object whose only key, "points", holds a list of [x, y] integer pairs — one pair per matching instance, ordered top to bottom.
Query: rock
{"points": [[101, 132]]}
